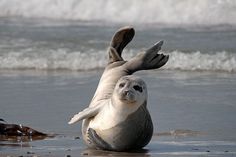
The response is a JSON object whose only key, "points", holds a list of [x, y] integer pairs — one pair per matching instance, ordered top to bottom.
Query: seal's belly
{"points": [[105, 121], [134, 132]]}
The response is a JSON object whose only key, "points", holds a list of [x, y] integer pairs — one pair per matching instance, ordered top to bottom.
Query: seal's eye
{"points": [[121, 85], [138, 88]]}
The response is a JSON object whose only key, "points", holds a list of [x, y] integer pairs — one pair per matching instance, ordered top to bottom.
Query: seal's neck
{"points": [[107, 83]]}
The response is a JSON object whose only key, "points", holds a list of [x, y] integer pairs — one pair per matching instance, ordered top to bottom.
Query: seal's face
{"points": [[131, 89]]}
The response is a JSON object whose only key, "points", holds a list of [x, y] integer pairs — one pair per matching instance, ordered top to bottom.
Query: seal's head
{"points": [[130, 90]]}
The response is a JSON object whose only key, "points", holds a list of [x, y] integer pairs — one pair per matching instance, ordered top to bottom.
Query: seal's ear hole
{"points": [[121, 85], [138, 88]]}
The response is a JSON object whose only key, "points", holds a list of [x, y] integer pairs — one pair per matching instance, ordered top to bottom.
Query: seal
{"points": [[117, 118]]}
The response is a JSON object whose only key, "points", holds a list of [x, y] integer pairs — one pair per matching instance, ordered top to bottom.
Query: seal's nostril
{"points": [[126, 92]]}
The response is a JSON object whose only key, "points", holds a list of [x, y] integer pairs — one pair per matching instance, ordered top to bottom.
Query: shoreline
{"points": [[45, 101], [153, 149]]}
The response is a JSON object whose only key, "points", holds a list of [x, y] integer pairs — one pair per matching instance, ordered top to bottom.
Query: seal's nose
{"points": [[126, 92]]}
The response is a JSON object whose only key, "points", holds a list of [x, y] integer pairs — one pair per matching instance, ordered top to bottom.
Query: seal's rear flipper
{"points": [[121, 38], [113, 55], [150, 59], [86, 113]]}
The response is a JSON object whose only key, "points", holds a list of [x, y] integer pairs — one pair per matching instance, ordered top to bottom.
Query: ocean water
{"points": [[28, 44], [52, 54]]}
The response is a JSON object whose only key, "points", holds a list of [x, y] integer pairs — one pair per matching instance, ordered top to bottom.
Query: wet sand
{"points": [[193, 112]]}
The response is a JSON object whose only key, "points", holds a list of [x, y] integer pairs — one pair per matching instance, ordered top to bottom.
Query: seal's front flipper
{"points": [[121, 38], [150, 59], [86, 113], [97, 141]]}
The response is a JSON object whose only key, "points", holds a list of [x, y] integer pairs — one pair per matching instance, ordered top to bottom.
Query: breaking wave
{"points": [[210, 12], [81, 61], [195, 61]]}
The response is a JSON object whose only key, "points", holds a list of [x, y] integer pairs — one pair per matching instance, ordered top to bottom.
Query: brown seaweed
{"points": [[15, 132]]}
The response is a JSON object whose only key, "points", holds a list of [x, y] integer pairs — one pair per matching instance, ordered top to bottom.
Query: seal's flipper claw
{"points": [[121, 38], [156, 47], [160, 61], [86, 113]]}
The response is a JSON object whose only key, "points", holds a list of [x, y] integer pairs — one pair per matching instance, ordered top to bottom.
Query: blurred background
{"points": [[73, 34]]}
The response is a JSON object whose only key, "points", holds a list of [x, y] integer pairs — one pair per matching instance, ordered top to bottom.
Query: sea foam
{"points": [[206, 12], [90, 60], [217, 61]]}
